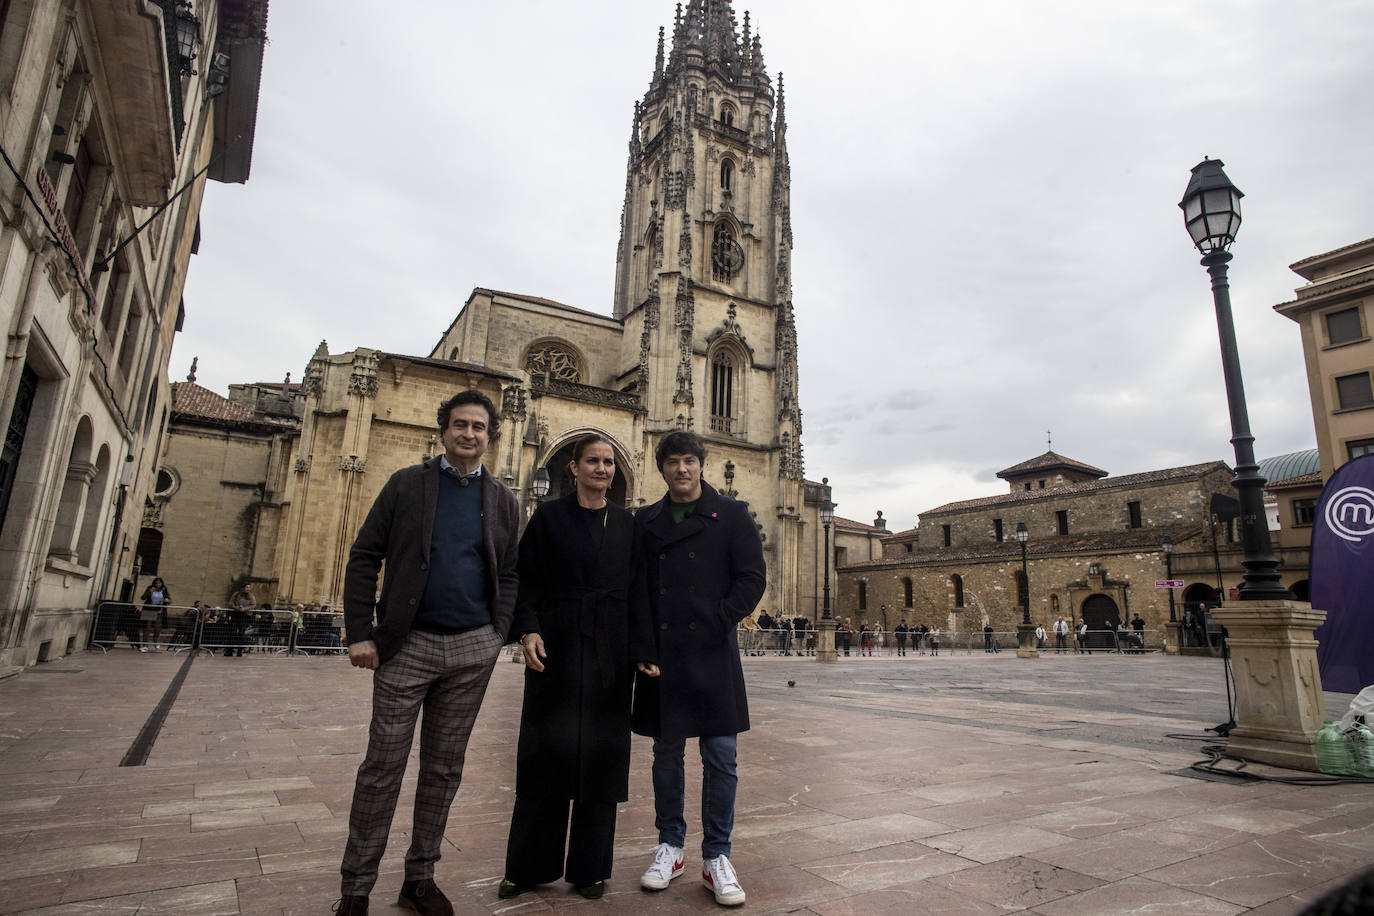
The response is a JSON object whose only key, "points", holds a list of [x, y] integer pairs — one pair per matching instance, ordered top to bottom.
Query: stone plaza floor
{"points": [[963, 784]]}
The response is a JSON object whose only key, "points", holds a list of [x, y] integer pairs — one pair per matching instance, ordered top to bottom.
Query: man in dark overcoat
{"points": [[448, 533], [705, 573]]}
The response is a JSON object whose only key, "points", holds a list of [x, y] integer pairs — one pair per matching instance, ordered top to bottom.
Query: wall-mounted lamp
{"points": [[188, 35]]}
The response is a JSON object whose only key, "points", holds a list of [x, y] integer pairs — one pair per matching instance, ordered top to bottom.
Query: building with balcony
{"points": [[113, 113]]}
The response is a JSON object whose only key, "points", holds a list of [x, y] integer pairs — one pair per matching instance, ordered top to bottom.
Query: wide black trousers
{"points": [[541, 829]]}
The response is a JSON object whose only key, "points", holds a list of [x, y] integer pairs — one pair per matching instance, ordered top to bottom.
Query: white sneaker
{"points": [[667, 866], [719, 876]]}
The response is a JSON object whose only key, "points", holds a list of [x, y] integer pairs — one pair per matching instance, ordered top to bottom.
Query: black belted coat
{"points": [[704, 575], [582, 591]]}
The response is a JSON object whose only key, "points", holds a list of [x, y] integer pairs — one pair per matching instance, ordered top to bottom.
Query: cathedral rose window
{"points": [[553, 361]]}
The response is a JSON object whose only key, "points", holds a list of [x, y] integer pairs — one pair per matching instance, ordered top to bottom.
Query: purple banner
{"points": [[1342, 577]]}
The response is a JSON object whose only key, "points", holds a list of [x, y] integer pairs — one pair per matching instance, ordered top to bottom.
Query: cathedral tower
{"points": [[703, 268]]}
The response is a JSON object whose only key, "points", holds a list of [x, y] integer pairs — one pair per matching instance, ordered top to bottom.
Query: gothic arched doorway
{"points": [[560, 484], [1102, 616]]}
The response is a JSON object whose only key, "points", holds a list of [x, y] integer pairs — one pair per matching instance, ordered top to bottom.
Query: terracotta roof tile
{"points": [[191, 400], [1050, 460], [1301, 480], [862, 526]]}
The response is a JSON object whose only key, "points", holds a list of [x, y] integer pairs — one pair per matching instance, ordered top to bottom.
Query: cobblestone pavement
{"points": [[963, 784]]}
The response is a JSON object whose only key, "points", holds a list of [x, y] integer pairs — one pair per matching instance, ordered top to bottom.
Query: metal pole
{"points": [[826, 560], [1261, 566], [1169, 574], [1025, 578]]}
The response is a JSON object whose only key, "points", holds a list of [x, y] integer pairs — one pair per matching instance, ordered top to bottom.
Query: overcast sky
{"points": [[984, 201]]}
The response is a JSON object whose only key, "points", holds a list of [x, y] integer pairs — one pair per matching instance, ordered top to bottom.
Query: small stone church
{"points": [[699, 335]]}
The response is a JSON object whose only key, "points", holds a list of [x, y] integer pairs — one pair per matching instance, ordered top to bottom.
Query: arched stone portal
{"points": [[560, 484], [1198, 594], [1102, 616]]}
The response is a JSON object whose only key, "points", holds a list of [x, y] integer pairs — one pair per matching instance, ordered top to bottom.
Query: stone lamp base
{"points": [[1279, 705]]}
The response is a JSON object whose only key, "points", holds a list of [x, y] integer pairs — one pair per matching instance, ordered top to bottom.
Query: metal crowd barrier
{"points": [[142, 627], [176, 628], [320, 634], [775, 641]]}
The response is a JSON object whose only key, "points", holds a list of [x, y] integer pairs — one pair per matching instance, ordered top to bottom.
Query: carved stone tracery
{"points": [[553, 361], [362, 380]]}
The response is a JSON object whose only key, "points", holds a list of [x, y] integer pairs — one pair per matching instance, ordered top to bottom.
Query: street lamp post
{"points": [[1211, 212], [539, 488], [827, 518], [1023, 535], [1168, 548], [825, 627], [1173, 632], [1025, 633], [1276, 719]]}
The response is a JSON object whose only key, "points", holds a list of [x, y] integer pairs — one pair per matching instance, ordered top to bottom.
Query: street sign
{"points": [[1168, 583]]}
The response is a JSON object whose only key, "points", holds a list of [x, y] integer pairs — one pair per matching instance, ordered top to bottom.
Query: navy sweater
{"points": [[457, 593]]}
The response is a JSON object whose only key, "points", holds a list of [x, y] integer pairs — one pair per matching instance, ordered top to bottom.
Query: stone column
{"points": [[1173, 631], [825, 640], [1025, 641], [1279, 705]]}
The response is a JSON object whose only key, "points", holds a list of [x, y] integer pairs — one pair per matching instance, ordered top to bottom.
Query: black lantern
{"points": [[188, 35], [1211, 207], [540, 484], [1022, 536]]}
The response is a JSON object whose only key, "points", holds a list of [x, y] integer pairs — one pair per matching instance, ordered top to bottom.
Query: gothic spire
{"points": [[705, 34], [658, 58], [780, 121]]}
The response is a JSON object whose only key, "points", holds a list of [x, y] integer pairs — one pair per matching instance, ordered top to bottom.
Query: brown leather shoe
{"points": [[424, 898], [351, 906]]}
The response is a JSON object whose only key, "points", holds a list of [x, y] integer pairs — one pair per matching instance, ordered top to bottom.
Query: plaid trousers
{"points": [[446, 675]]}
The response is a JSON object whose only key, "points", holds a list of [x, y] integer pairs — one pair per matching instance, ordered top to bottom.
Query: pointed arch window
{"points": [[727, 115], [727, 175], [650, 241], [724, 381], [958, 582]]}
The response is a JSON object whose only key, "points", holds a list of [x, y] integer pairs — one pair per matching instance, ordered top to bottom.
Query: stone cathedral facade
{"points": [[699, 335]]}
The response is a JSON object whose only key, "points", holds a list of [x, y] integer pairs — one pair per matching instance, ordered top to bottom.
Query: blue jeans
{"points": [[718, 783]]}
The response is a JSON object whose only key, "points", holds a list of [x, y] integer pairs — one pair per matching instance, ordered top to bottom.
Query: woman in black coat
{"points": [[580, 608]]}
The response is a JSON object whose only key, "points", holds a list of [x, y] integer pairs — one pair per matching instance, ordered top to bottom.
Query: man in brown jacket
{"points": [[447, 532]]}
